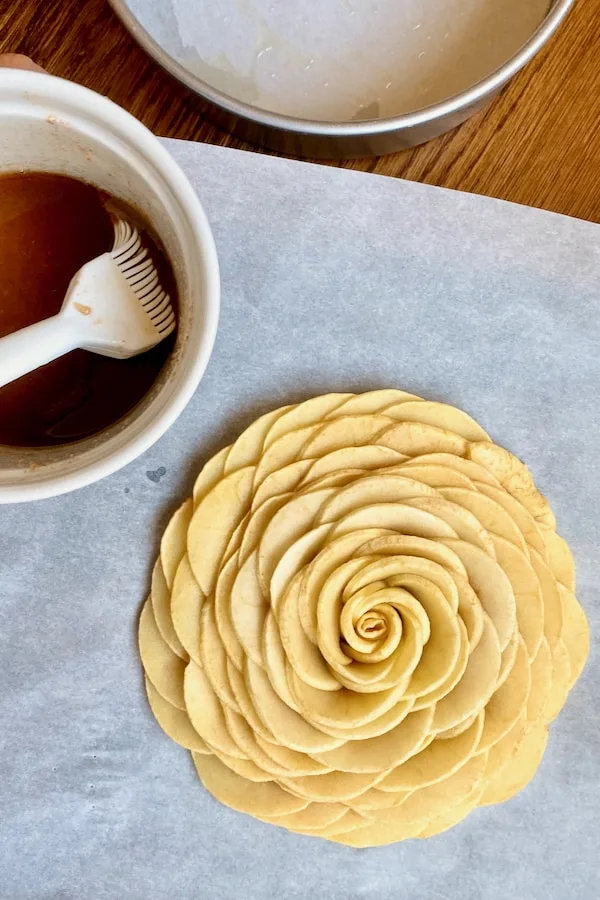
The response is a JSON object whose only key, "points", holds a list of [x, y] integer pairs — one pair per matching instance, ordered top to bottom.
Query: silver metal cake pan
{"points": [[334, 140]]}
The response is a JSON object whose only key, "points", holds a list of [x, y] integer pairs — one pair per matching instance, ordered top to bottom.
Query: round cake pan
{"points": [[337, 140]]}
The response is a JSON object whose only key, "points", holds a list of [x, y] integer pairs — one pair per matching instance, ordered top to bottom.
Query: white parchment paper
{"points": [[332, 280]]}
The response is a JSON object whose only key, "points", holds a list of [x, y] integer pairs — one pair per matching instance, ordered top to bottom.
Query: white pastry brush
{"points": [[115, 306]]}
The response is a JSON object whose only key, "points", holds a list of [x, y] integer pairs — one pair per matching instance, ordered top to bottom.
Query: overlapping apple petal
{"points": [[363, 621]]}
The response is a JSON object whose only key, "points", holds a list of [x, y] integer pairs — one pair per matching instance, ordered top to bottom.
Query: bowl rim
{"points": [[40, 87], [365, 127]]}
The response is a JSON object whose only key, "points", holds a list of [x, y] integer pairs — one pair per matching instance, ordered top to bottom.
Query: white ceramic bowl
{"points": [[51, 125]]}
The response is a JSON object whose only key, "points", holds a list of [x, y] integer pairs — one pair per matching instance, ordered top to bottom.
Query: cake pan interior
{"points": [[340, 61]]}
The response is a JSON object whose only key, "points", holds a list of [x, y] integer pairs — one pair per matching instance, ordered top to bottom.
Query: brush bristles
{"points": [[135, 262]]}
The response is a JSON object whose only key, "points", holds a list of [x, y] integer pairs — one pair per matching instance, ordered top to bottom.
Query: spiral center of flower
{"points": [[371, 623], [372, 626]]}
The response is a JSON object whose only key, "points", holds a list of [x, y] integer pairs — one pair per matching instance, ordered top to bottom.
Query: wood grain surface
{"points": [[538, 143]]}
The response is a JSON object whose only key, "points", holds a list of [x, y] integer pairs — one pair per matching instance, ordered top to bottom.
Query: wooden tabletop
{"points": [[539, 143]]}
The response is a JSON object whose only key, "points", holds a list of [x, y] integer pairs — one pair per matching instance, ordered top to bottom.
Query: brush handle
{"points": [[32, 347]]}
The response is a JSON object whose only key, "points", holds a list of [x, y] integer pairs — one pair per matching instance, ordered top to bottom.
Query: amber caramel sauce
{"points": [[50, 226]]}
